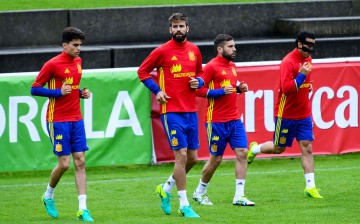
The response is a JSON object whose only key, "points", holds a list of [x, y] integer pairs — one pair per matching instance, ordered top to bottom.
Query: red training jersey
{"points": [[175, 63], [62, 68], [220, 72], [293, 101]]}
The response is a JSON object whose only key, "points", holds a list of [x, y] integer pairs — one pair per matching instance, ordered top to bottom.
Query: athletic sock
{"points": [[256, 149], [310, 180], [170, 184], [201, 188], [239, 190], [49, 193], [183, 199], [82, 202]]}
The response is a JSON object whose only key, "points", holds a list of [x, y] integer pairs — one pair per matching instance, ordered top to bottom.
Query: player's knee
{"points": [[279, 150], [307, 151], [181, 158], [217, 160], [79, 162], [64, 165]]}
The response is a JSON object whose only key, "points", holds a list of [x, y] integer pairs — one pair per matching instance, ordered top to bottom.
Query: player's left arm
{"points": [[199, 70], [241, 87], [84, 93]]}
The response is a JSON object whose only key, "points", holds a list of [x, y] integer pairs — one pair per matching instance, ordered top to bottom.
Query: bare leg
{"points": [[270, 148], [307, 159], [191, 160], [240, 163], [180, 168], [210, 168], [80, 173], [56, 174]]}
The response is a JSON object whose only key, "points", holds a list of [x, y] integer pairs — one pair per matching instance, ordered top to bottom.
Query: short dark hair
{"points": [[178, 16], [72, 33], [301, 37], [221, 39]]}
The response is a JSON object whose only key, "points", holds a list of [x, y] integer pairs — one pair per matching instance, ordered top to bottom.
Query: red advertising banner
{"points": [[335, 107]]}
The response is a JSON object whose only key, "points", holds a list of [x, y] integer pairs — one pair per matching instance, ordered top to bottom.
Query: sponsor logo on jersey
{"points": [[176, 68], [69, 80], [225, 82]]}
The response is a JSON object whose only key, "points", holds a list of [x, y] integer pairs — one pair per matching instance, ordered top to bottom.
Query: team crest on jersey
{"points": [[191, 56], [174, 58], [79, 68], [176, 68], [67, 71], [234, 71], [223, 72], [69, 80], [173, 132], [58, 137], [215, 138], [282, 140], [174, 141], [58, 147], [214, 148]]}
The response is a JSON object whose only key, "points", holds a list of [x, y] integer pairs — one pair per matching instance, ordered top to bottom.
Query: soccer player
{"points": [[179, 70], [293, 117], [223, 122], [65, 125]]}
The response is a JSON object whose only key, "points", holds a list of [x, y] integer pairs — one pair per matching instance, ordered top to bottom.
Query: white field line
{"points": [[189, 176]]}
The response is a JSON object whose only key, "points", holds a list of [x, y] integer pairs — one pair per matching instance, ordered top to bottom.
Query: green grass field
{"points": [[79, 4], [127, 194]]}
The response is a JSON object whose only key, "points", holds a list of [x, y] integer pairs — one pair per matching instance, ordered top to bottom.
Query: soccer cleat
{"points": [[250, 155], [312, 192], [165, 199], [203, 199], [243, 201], [50, 206], [188, 212], [84, 215]]}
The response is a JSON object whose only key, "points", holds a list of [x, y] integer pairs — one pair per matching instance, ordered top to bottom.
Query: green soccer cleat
{"points": [[250, 155], [312, 192], [165, 199], [202, 199], [243, 201], [50, 206], [188, 212], [84, 215]]}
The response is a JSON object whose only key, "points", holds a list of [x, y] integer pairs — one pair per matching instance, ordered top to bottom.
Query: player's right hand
{"points": [[305, 68], [65, 89], [229, 89], [162, 97]]}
